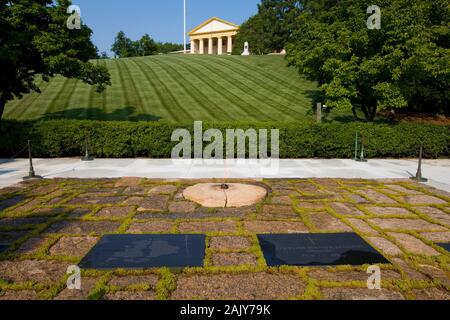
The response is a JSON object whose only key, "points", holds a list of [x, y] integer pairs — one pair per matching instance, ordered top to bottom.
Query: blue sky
{"points": [[161, 19]]}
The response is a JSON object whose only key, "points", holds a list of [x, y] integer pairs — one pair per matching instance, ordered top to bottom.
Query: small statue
{"points": [[246, 49]]}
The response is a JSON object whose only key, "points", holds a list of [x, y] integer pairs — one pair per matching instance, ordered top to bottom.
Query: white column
{"points": [[230, 45], [193, 46], [202, 46], [210, 46], [219, 46]]}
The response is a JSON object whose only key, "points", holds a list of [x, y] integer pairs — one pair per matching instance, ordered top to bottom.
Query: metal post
{"points": [[319, 112], [356, 148], [361, 156], [87, 157], [31, 173], [419, 177]]}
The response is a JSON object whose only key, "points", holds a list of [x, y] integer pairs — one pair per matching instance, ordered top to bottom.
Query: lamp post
{"points": [[184, 30]]}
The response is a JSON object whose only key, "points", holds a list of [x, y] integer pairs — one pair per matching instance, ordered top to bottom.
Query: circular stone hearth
{"points": [[229, 195]]}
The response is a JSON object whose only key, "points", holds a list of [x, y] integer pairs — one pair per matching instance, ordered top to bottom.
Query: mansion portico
{"points": [[214, 36]]}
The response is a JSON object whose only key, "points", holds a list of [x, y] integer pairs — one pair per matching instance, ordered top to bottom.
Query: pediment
{"points": [[214, 25]]}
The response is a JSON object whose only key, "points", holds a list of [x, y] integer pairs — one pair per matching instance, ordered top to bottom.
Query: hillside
{"points": [[177, 88]]}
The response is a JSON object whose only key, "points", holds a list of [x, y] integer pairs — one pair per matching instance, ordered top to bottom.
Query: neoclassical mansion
{"points": [[214, 36]]}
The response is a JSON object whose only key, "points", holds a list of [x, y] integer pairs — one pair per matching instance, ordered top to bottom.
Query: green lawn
{"points": [[177, 88]]}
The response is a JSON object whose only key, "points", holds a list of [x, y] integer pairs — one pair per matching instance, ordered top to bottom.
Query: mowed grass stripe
{"points": [[270, 75], [263, 80], [177, 88], [175, 91], [165, 95], [261, 96], [238, 98], [139, 103], [155, 103], [18, 106], [216, 110]]}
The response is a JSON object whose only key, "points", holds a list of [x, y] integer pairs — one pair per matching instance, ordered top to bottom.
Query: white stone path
{"points": [[438, 171]]}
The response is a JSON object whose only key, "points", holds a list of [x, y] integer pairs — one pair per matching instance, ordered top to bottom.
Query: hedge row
{"points": [[66, 138]]}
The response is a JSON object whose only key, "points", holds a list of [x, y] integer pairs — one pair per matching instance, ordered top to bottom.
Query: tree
{"points": [[270, 29], [34, 40], [147, 46], [123, 47], [405, 64]]}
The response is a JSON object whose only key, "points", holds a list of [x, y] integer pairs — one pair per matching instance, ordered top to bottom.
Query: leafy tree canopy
{"points": [[271, 28], [35, 40], [124, 47], [405, 64]]}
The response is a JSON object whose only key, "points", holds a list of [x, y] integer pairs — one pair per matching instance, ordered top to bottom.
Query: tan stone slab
{"points": [[128, 182], [163, 189], [403, 190], [211, 195], [242, 195], [377, 197], [422, 199], [283, 200], [133, 201], [154, 202], [182, 207], [346, 209], [278, 211], [384, 211], [114, 212], [436, 214], [326, 222], [406, 224], [208, 226], [150, 227], [275, 227], [363, 227], [438, 237], [229, 243], [32, 245], [413, 245], [73, 246], [385, 246], [233, 259], [408, 270], [42, 271], [436, 274], [349, 276], [127, 281], [87, 285], [252, 286], [360, 294], [431, 294], [18, 295]]}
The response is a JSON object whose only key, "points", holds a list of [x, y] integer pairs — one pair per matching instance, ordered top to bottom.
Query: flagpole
{"points": [[184, 31]]}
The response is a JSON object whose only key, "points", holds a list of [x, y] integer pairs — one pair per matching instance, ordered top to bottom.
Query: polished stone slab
{"points": [[446, 246], [3, 247], [325, 249], [129, 251]]}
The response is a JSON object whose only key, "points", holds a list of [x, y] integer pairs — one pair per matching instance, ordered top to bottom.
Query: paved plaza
{"points": [[48, 225]]}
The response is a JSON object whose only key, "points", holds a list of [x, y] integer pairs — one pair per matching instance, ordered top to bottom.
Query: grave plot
{"points": [[144, 239], [326, 249], [145, 252]]}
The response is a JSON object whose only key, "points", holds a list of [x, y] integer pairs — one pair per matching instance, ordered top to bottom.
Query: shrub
{"points": [[121, 139]]}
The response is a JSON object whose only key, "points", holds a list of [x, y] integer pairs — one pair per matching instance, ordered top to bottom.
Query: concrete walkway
{"points": [[438, 171]]}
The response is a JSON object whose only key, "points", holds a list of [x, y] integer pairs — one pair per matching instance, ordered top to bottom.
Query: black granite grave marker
{"points": [[446, 246], [3, 247], [325, 249], [129, 251]]}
